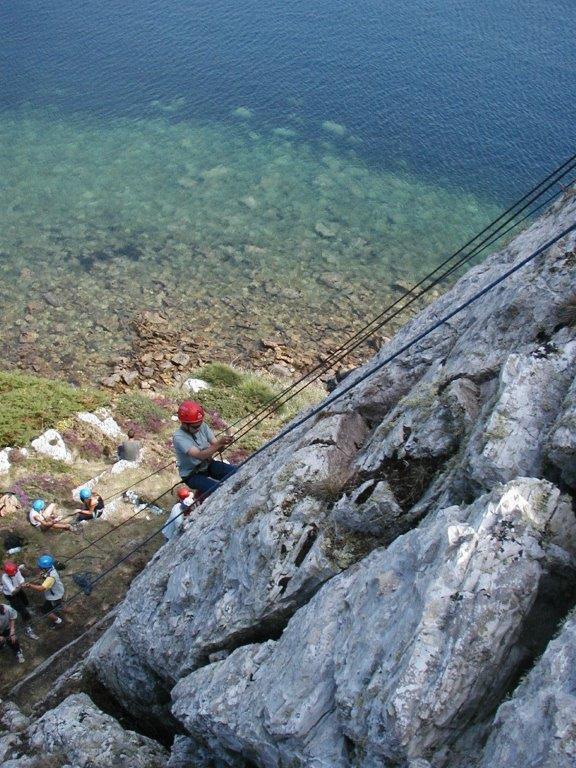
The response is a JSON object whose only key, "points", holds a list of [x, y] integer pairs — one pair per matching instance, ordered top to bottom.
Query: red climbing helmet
{"points": [[191, 413], [183, 493], [10, 568]]}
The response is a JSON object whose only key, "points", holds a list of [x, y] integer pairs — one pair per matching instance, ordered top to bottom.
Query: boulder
{"points": [[195, 385], [104, 422], [51, 444], [5, 461], [397, 656], [78, 734]]}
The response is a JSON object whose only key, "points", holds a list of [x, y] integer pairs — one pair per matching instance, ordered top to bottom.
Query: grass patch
{"points": [[220, 375], [259, 392], [235, 394], [31, 404], [134, 410]]}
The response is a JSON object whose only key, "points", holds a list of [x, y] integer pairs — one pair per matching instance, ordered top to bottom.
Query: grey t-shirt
{"points": [[183, 441], [129, 450], [6, 617]]}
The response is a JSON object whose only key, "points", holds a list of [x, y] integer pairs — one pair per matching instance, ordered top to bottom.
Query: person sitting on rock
{"points": [[195, 445], [129, 450], [93, 505], [179, 514], [45, 518], [51, 586], [12, 589], [8, 631]]}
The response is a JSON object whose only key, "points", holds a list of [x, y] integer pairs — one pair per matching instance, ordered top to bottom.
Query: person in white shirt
{"points": [[178, 514], [44, 517], [12, 589], [8, 631]]}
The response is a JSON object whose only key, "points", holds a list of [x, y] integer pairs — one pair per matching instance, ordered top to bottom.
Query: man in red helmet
{"points": [[195, 446], [12, 589]]}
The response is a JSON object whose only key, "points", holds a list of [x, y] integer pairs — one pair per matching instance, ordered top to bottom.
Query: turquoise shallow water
{"points": [[256, 169], [114, 217]]}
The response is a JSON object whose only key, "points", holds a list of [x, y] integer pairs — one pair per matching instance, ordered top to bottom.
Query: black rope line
{"points": [[565, 168], [281, 399], [331, 399], [264, 412]]}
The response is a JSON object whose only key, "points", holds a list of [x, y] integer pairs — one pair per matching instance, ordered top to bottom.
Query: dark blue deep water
{"points": [[479, 93], [305, 160]]}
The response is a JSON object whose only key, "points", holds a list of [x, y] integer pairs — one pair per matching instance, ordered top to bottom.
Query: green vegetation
{"points": [[219, 374], [234, 394], [31, 404], [140, 411]]}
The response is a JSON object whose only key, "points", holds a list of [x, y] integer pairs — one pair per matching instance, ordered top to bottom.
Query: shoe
{"points": [[31, 634], [20, 657]]}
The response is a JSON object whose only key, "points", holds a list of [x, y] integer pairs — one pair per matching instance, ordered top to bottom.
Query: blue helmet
{"points": [[85, 493], [39, 505], [45, 562]]}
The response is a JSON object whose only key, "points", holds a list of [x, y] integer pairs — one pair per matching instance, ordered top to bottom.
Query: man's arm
{"points": [[206, 453]]}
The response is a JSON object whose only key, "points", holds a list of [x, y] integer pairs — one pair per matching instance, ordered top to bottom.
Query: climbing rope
{"points": [[506, 224], [367, 330], [345, 390], [282, 400]]}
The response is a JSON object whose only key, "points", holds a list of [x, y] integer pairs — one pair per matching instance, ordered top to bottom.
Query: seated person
{"points": [[130, 449], [93, 505], [45, 518]]}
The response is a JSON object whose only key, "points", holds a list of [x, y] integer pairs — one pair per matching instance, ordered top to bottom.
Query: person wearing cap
{"points": [[196, 445], [93, 505], [178, 514], [45, 518], [51, 587], [12, 589], [8, 631]]}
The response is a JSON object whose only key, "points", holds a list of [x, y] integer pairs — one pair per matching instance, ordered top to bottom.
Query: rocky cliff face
{"points": [[372, 589]]}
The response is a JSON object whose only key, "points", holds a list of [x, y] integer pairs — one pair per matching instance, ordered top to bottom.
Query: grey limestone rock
{"points": [[532, 388], [561, 449], [370, 509], [237, 573], [393, 658], [536, 728], [78, 734]]}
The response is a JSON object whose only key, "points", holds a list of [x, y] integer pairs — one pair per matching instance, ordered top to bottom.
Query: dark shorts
{"points": [[50, 606]]}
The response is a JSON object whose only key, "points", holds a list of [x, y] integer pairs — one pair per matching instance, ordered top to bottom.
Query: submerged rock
{"points": [[242, 112], [334, 128], [284, 133], [324, 230]]}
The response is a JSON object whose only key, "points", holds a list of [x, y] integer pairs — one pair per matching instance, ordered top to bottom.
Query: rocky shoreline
{"points": [[159, 344]]}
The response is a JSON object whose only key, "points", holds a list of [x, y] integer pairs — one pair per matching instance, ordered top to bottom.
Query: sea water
{"points": [[257, 168]]}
